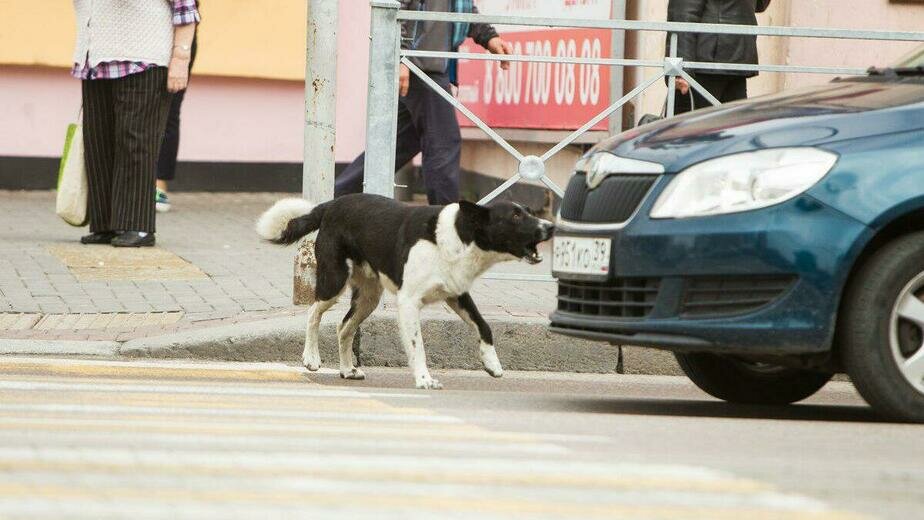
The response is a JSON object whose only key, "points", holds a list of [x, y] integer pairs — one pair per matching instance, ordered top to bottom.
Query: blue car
{"points": [[769, 243]]}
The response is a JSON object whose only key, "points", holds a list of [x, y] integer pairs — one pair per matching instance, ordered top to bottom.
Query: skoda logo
{"points": [[601, 165], [595, 173]]}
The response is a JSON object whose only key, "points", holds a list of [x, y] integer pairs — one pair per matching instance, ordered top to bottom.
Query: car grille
{"points": [[613, 201], [728, 295], [630, 298]]}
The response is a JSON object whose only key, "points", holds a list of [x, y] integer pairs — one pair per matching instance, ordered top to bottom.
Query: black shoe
{"points": [[101, 237], [133, 239]]}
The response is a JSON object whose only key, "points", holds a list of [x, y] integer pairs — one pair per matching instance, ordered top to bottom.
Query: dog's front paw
{"points": [[489, 360], [312, 365], [494, 371], [355, 373], [429, 383]]}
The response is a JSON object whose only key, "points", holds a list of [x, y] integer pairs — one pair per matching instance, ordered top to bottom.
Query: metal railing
{"points": [[385, 55]]}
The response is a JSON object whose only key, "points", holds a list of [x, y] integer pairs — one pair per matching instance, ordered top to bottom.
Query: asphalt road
{"points": [[94, 439]]}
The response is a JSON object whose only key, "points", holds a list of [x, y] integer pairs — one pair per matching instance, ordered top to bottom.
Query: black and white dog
{"points": [[423, 255]]}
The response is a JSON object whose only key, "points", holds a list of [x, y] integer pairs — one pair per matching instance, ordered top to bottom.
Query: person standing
{"points": [[130, 55], [724, 85], [427, 124], [166, 163]]}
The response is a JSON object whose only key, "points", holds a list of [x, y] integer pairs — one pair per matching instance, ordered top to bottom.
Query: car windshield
{"points": [[913, 59], [911, 65]]}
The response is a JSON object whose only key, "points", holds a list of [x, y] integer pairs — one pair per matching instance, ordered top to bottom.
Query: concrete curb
{"points": [[522, 344], [72, 348]]}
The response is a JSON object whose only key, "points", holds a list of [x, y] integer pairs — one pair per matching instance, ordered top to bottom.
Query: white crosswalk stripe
{"points": [[145, 442]]}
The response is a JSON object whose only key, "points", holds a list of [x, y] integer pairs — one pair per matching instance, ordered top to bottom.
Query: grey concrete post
{"points": [[617, 74], [320, 101], [382, 109], [320, 130]]}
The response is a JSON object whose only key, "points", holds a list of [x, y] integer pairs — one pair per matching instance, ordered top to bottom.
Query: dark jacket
{"points": [[435, 36], [717, 48]]}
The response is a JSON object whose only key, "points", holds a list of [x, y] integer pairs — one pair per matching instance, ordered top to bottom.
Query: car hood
{"points": [[810, 116]]}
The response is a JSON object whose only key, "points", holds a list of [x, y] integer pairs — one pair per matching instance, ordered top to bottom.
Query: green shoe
{"points": [[161, 202]]}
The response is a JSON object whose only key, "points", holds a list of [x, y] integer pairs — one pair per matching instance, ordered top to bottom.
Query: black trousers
{"points": [[724, 87], [426, 124], [123, 127], [166, 163]]}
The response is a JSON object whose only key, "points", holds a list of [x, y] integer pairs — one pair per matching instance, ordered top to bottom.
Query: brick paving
{"points": [[209, 268]]}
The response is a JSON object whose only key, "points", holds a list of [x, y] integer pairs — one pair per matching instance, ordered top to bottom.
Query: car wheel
{"points": [[881, 329], [740, 381]]}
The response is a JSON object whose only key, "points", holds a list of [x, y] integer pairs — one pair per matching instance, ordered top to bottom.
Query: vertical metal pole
{"points": [[617, 74], [672, 80], [320, 101], [382, 108], [320, 131]]}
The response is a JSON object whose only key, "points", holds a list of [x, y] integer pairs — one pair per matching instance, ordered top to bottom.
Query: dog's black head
{"points": [[504, 227]]}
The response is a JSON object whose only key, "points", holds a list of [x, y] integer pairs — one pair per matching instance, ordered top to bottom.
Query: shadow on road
{"points": [[607, 395], [694, 408]]}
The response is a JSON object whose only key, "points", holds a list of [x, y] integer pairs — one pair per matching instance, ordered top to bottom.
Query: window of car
{"points": [[913, 59]]}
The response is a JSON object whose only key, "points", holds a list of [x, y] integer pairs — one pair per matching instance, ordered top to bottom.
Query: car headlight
{"points": [[742, 182]]}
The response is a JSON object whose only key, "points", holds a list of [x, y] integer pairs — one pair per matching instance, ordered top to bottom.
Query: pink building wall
{"points": [[849, 14], [36, 105], [223, 119], [252, 120]]}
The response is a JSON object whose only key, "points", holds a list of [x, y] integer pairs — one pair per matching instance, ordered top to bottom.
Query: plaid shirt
{"points": [[184, 12]]}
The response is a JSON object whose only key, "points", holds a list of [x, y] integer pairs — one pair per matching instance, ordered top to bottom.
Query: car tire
{"points": [[877, 348], [738, 381]]}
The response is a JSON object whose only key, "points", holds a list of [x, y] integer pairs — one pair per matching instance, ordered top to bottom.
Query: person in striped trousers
{"points": [[130, 55]]}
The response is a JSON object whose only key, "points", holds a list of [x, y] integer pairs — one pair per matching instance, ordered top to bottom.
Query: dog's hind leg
{"points": [[331, 276], [366, 294], [465, 307], [412, 339], [311, 356]]}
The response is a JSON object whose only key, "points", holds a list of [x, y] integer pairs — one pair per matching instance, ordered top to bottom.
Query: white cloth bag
{"points": [[71, 203]]}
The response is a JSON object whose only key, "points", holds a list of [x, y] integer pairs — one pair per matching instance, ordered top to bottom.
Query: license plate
{"points": [[581, 255]]}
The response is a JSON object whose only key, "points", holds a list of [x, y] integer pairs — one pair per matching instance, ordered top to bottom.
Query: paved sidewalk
{"points": [[208, 269]]}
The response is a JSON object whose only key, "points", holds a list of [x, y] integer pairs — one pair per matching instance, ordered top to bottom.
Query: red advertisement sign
{"points": [[538, 95]]}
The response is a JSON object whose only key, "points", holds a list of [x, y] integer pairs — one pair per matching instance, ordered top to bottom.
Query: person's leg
{"points": [[714, 83], [725, 87], [736, 87], [141, 106], [441, 140], [407, 145], [98, 149], [166, 161], [350, 180]]}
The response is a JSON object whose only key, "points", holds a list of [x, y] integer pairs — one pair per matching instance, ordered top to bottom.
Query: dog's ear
{"points": [[474, 212], [471, 221]]}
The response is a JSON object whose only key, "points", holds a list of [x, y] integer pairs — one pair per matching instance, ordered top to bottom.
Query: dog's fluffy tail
{"points": [[289, 220]]}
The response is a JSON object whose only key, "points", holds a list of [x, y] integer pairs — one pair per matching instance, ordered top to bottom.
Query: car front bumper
{"points": [[692, 276]]}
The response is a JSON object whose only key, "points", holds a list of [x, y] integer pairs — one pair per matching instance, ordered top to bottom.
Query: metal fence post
{"points": [[617, 74], [671, 78], [320, 101], [382, 109]]}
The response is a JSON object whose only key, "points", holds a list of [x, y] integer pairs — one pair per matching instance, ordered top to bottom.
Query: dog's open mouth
{"points": [[531, 254]]}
